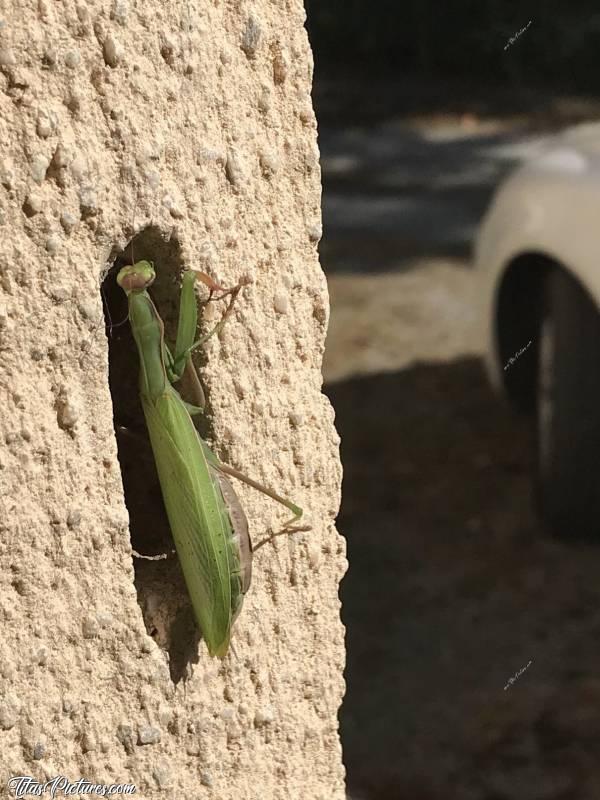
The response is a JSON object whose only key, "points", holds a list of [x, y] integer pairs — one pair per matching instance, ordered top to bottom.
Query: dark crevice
{"points": [[160, 585]]}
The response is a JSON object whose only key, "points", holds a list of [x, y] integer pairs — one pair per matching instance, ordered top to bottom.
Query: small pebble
{"points": [[120, 11], [82, 12], [251, 37], [167, 48], [113, 51], [7, 57], [49, 57], [72, 59], [280, 69], [264, 101], [73, 102], [307, 115], [45, 125], [207, 155], [62, 157], [268, 163], [39, 167], [79, 168], [233, 170], [7, 174], [152, 178], [88, 200], [33, 205], [174, 210], [68, 221], [315, 232], [52, 245], [59, 294], [280, 303], [67, 414], [74, 519], [314, 556], [104, 618], [90, 628], [228, 694], [9, 713], [263, 717], [126, 735], [148, 735], [88, 742], [39, 751], [162, 776], [206, 779]]}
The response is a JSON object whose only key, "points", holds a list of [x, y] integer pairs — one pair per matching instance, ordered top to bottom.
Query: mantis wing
{"points": [[197, 515]]}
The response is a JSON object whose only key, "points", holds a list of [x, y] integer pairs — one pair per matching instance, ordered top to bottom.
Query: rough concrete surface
{"points": [[188, 128]]}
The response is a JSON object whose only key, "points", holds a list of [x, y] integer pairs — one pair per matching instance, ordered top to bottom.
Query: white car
{"points": [[538, 263]]}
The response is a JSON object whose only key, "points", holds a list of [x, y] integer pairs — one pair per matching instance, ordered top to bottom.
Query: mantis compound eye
{"points": [[136, 277]]}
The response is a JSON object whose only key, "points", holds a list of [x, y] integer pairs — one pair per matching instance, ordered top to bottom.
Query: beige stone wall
{"points": [[189, 124]]}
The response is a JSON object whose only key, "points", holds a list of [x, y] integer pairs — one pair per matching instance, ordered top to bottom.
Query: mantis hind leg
{"points": [[289, 526]]}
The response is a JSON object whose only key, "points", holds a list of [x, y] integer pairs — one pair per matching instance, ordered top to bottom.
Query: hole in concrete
{"points": [[160, 585]]}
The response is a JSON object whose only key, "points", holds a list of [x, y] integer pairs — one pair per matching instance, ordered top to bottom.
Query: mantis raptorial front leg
{"points": [[206, 518]]}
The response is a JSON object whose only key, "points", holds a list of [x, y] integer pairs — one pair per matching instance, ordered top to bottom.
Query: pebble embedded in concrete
{"points": [[120, 11], [251, 37], [113, 51], [7, 57], [72, 59], [280, 69], [46, 123], [268, 162], [39, 167], [233, 170], [88, 201], [33, 204], [68, 221], [315, 232], [52, 245], [281, 303], [74, 519], [90, 628], [9, 712], [264, 716], [148, 735], [39, 751], [162, 776]]}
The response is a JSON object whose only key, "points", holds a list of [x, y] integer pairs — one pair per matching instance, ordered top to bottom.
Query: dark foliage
{"points": [[560, 45]]}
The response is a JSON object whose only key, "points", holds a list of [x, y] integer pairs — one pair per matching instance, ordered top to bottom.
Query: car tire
{"points": [[567, 484]]}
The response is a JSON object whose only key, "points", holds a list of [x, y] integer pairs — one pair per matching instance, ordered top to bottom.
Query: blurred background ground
{"points": [[453, 588]]}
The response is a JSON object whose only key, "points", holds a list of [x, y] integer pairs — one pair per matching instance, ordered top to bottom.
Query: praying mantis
{"points": [[208, 523]]}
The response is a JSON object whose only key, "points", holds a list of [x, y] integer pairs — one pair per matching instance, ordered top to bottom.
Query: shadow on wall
{"points": [[452, 589]]}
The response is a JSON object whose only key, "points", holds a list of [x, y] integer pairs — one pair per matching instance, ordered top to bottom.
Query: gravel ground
{"points": [[472, 671]]}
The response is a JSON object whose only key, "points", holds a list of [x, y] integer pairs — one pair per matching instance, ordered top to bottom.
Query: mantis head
{"points": [[136, 278]]}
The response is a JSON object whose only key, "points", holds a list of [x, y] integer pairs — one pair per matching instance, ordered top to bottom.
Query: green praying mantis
{"points": [[208, 523]]}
